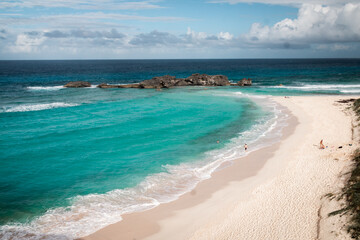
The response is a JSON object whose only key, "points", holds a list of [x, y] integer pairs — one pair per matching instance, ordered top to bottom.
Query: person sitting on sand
{"points": [[322, 145], [246, 146]]}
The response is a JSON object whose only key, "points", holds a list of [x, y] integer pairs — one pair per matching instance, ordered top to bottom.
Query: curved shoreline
{"points": [[242, 171], [273, 193], [92, 212]]}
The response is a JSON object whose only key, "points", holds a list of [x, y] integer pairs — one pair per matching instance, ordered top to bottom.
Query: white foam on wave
{"points": [[323, 87], [42, 88], [51, 88], [350, 91], [36, 107], [92, 212]]}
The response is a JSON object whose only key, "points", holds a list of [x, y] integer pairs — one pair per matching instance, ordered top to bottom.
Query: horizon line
{"points": [[174, 59]]}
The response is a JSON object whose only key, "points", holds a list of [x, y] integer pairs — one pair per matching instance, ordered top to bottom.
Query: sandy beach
{"points": [[277, 192]]}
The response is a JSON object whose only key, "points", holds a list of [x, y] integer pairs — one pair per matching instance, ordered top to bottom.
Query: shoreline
{"points": [[227, 173], [207, 211]]}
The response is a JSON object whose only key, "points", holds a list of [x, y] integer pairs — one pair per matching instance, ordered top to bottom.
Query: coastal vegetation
{"points": [[351, 191]]}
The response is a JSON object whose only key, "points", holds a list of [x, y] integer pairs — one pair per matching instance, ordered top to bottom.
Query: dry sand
{"points": [[274, 193]]}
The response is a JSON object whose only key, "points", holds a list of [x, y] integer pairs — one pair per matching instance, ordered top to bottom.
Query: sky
{"points": [[169, 29]]}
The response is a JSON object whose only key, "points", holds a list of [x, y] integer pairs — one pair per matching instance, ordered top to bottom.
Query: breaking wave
{"points": [[40, 88], [344, 88], [36, 107]]}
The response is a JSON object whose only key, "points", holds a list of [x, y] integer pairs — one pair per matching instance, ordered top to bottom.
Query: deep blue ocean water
{"points": [[74, 160]]}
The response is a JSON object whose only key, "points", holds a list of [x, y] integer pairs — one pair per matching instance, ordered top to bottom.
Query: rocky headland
{"points": [[168, 81]]}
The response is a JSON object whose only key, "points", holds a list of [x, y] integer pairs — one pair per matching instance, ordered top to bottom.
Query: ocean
{"points": [[75, 160]]}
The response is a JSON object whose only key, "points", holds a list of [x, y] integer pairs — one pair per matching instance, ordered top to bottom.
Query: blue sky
{"points": [[152, 29]]}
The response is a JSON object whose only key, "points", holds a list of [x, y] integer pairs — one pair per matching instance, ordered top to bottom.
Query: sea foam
{"points": [[322, 87], [42, 88], [51, 88], [351, 91], [36, 107], [92, 212]]}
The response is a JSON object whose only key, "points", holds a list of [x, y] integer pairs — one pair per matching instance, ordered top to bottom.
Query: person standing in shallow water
{"points": [[245, 146]]}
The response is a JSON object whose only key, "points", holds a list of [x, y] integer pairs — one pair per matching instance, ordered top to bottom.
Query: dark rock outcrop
{"points": [[194, 80], [208, 80], [166, 81], [244, 82], [77, 84]]}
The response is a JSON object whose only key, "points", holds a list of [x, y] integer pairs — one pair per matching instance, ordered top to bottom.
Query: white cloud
{"points": [[286, 2], [81, 4], [77, 19], [93, 20], [315, 24], [328, 28], [80, 33], [196, 35], [225, 36], [191, 39], [43, 41], [27, 43], [333, 47], [337, 47]]}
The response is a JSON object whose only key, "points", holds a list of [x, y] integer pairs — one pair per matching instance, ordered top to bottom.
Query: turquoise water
{"points": [[115, 141], [75, 160]]}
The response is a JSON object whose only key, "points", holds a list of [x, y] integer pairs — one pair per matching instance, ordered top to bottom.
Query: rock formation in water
{"points": [[194, 80], [208, 80], [168, 81], [245, 82], [77, 84]]}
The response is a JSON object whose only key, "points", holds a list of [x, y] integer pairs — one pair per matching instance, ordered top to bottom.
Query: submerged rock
{"points": [[77, 84], [105, 85], [134, 85]]}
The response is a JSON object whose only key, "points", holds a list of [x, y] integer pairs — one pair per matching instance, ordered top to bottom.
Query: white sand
{"points": [[280, 198], [287, 206]]}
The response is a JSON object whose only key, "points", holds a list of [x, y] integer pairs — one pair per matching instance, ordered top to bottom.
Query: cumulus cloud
{"points": [[286, 2], [315, 24], [329, 28], [113, 33], [2, 34], [56, 34], [225, 36], [155, 38], [205, 39], [188, 40], [37, 41], [43, 41], [27, 43]]}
